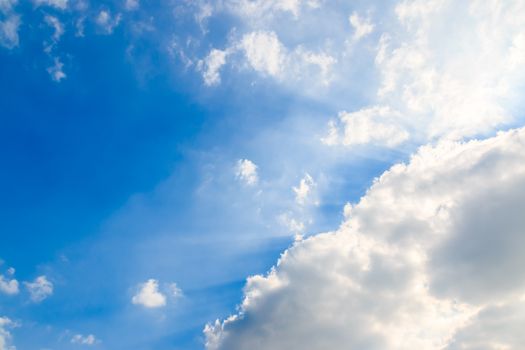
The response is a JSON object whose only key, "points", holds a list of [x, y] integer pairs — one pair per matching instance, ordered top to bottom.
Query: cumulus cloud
{"points": [[59, 4], [264, 52], [211, 66], [441, 86], [457, 86], [373, 125], [246, 171], [429, 258], [8, 286], [40, 289], [148, 295], [80, 339]]}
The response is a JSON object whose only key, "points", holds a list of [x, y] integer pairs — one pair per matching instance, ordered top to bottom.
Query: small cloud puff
{"points": [[59, 4], [131, 5], [107, 22], [362, 26], [58, 27], [9, 32], [211, 66], [56, 70], [375, 125], [247, 172], [304, 189], [8, 286], [40, 289], [148, 295], [80, 339]]}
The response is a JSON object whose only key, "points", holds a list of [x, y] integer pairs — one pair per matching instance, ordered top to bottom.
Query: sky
{"points": [[262, 174]]}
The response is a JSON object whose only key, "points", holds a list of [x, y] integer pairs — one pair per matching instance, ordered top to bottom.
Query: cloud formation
{"points": [[59, 4], [362, 26], [9, 31], [211, 66], [56, 71], [375, 125], [246, 171], [305, 188], [429, 258], [8, 286], [40, 289], [148, 295], [5, 335], [80, 339]]}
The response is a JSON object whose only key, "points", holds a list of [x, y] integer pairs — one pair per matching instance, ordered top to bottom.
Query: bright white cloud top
{"points": [[434, 246], [148, 295]]}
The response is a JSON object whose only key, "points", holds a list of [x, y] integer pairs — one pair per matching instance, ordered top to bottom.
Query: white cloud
{"points": [[59, 4], [131, 5], [6, 6], [262, 9], [205, 11], [107, 22], [55, 23], [362, 26], [80, 27], [9, 32], [264, 52], [323, 61], [211, 66], [56, 70], [459, 85], [441, 86], [374, 125], [247, 172], [304, 189], [293, 225], [429, 258], [8, 286], [40, 289], [174, 290], [148, 295], [5, 335], [80, 339]]}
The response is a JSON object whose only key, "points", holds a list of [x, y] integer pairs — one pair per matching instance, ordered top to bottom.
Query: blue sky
{"points": [[155, 155]]}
